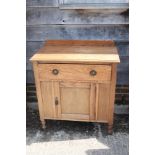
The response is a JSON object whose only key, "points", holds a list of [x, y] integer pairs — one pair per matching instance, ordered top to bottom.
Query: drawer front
{"points": [[74, 72]]}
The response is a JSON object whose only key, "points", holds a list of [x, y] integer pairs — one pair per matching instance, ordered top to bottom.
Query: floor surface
{"points": [[76, 138]]}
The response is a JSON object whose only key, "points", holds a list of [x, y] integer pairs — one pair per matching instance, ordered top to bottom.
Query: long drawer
{"points": [[76, 72]]}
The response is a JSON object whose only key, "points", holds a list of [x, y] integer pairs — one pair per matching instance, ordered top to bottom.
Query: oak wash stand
{"points": [[75, 80]]}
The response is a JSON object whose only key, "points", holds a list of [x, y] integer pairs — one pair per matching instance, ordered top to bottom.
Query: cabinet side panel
{"points": [[37, 83], [47, 90], [112, 94], [103, 101]]}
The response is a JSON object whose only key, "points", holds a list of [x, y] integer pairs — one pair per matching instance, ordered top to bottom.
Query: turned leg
{"points": [[43, 124], [110, 128]]}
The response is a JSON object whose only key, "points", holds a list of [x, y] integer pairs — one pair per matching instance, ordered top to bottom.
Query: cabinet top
{"points": [[77, 51]]}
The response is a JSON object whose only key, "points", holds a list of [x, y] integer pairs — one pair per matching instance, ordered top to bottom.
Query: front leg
{"points": [[43, 124], [110, 129]]}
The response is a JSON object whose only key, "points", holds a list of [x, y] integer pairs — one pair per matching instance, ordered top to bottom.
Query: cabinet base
{"points": [[109, 128]]}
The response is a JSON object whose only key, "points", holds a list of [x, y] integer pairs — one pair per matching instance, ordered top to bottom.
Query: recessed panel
{"points": [[75, 100]]}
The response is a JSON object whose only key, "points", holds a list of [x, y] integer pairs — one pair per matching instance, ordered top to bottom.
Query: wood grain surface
{"points": [[74, 72]]}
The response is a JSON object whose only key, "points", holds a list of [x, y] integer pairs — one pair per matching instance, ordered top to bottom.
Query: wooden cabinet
{"points": [[75, 80]]}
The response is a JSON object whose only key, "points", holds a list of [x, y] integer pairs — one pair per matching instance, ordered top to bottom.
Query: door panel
{"points": [[47, 89], [50, 92], [57, 97], [75, 100], [92, 101], [103, 101]]}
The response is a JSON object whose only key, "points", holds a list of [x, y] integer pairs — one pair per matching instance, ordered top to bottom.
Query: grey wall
{"points": [[45, 20]]}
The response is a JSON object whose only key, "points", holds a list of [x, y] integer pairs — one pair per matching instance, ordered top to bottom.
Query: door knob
{"points": [[56, 101]]}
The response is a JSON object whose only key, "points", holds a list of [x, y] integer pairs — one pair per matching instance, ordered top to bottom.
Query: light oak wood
{"points": [[80, 42], [78, 52], [74, 72], [74, 84], [38, 90], [47, 90], [70, 92], [57, 95], [112, 98], [75, 100], [97, 100], [103, 101], [92, 102], [75, 117], [80, 120]]}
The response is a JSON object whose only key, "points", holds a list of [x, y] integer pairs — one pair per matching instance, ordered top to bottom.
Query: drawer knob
{"points": [[55, 71], [93, 72]]}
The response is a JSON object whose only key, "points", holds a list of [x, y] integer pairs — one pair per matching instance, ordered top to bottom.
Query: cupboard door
{"points": [[50, 99], [77, 101], [103, 102]]}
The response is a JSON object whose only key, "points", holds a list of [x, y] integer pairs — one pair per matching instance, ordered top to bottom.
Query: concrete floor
{"points": [[76, 138]]}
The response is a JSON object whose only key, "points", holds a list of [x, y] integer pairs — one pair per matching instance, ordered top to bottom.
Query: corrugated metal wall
{"points": [[45, 20]]}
